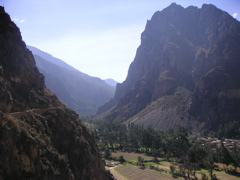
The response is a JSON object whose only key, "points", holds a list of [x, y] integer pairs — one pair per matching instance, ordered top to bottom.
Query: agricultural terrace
{"points": [[177, 152], [158, 170], [133, 172]]}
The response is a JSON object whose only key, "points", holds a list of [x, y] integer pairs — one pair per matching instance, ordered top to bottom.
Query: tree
{"points": [[133, 137], [148, 137], [177, 142], [107, 154], [197, 154], [235, 154], [224, 155], [121, 159], [155, 159], [140, 160], [209, 164], [189, 167], [173, 170], [204, 177]]}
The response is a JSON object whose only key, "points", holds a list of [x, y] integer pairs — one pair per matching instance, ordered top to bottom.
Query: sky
{"points": [[97, 37]]}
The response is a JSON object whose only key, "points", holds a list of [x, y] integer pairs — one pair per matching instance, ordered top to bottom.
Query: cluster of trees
{"points": [[229, 130], [118, 136], [169, 144]]}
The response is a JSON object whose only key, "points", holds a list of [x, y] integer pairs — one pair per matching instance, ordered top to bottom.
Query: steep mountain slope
{"points": [[50, 58], [188, 60], [79, 91], [39, 137]]}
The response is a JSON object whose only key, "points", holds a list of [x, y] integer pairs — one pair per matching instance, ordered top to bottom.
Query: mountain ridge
{"points": [[181, 48], [50, 58], [111, 82], [79, 91]]}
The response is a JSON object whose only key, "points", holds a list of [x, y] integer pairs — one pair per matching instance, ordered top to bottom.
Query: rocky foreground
{"points": [[39, 137]]}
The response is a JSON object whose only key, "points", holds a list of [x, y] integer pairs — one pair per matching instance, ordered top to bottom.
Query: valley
{"points": [[79, 91], [176, 115], [174, 153], [124, 172]]}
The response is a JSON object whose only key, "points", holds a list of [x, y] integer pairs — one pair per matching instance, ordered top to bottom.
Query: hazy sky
{"points": [[98, 37]]}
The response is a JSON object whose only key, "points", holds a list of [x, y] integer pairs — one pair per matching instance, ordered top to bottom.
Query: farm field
{"points": [[131, 156], [130, 172], [135, 173], [116, 174], [224, 176]]}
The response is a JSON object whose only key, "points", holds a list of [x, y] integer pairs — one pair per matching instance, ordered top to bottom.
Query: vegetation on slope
{"points": [[180, 146]]}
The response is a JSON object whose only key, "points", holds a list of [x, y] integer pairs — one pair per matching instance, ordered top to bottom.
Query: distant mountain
{"points": [[50, 58], [185, 72], [111, 82], [79, 91], [40, 138]]}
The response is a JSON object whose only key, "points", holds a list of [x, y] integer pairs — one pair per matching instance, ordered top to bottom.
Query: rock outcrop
{"points": [[192, 51], [39, 137]]}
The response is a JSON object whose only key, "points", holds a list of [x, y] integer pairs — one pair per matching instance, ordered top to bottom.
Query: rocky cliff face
{"points": [[183, 51], [39, 137]]}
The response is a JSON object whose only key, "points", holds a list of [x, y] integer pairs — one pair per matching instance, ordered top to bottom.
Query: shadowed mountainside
{"points": [[186, 69], [79, 91], [39, 137]]}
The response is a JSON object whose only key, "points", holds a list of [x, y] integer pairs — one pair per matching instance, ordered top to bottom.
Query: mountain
{"points": [[50, 58], [185, 72], [111, 82], [79, 91], [39, 138]]}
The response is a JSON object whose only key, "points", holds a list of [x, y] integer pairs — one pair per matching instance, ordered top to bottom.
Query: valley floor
{"points": [[132, 172], [136, 173], [116, 175]]}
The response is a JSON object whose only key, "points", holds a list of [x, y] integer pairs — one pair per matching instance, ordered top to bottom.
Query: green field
{"points": [[131, 156], [134, 172]]}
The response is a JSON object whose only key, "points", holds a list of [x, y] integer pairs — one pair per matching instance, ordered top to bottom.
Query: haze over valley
{"points": [[79, 91], [174, 115]]}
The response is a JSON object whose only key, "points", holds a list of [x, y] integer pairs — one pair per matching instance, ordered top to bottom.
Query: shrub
{"points": [[107, 154], [121, 159], [172, 169]]}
